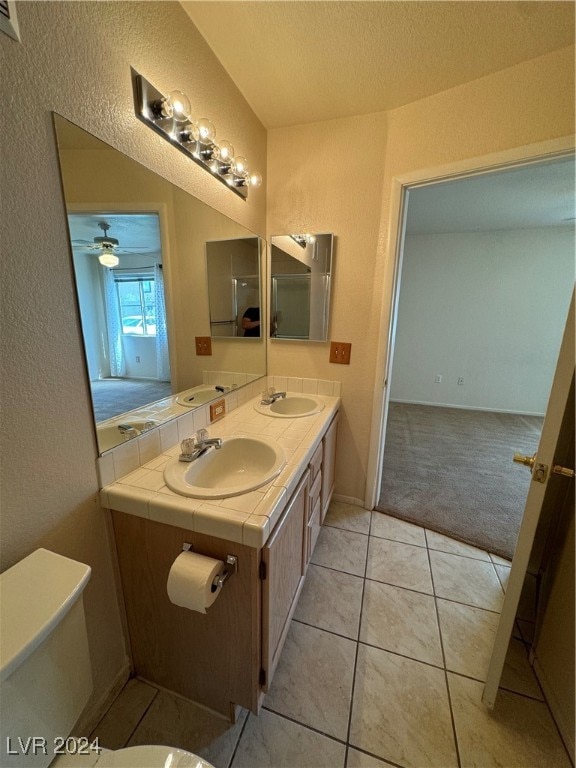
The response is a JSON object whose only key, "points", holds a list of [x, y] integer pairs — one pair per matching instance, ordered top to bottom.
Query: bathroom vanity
{"points": [[227, 656]]}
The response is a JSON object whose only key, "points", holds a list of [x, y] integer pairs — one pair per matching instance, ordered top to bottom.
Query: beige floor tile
{"points": [[348, 516], [387, 527], [445, 544], [341, 550], [497, 560], [403, 565], [503, 574], [466, 580], [331, 600], [401, 621], [468, 637], [517, 674], [313, 680], [401, 712], [176, 722], [117, 725], [519, 732], [271, 741], [358, 759]]}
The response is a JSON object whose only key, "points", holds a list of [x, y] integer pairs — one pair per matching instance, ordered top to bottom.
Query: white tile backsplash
{"points": [[129, 456]]}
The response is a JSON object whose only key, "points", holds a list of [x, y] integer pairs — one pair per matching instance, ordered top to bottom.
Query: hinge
{"points": [[262, 573], [262, 677]]}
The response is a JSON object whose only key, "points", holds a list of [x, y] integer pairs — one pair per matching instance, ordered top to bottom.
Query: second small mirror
{"points": [[300, 276]]}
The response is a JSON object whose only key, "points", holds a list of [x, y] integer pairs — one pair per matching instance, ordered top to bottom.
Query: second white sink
{"points": [[291, 406], [241, 465]]}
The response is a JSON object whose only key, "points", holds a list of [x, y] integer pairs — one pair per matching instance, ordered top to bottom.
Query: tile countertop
{"points": [[248, 518]]}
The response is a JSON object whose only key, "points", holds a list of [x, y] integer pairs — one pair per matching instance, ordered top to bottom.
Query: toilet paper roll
{"points": [[190, 581]]}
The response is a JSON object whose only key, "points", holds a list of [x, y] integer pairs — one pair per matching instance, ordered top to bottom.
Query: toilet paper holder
{"points": [[231, 567]]}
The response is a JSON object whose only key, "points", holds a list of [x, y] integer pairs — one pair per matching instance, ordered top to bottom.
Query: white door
{"points": [[544, 461]]}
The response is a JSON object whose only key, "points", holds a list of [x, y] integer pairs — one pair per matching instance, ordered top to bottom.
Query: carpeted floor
{"points": [[112, 397], [451, 470]]}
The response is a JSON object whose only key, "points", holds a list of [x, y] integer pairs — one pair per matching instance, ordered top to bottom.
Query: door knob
{"points": [[527, 461]]}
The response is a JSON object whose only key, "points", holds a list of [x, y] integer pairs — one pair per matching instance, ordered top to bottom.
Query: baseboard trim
{"points": [[466, 407], [349, 500], [96, 710], [566, 732]]}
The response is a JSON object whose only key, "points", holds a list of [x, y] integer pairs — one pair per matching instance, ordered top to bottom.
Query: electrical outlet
{"points": [[203, 345], [340, 352], [137, 358], [438, 379], [460, 381], [217, 410]]}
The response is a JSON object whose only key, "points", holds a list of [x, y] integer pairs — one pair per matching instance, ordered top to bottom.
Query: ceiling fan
{"points": [[108, 247]]}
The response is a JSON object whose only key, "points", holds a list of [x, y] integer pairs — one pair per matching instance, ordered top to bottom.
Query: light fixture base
{"points": [[146, 96]]}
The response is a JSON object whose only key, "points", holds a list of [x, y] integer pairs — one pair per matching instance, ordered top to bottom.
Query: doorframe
{"points": [[538, 152]]}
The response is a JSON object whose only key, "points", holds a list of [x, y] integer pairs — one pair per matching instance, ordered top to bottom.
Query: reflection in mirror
{"points": [[139, 251], [301, 268], [233, 269]]}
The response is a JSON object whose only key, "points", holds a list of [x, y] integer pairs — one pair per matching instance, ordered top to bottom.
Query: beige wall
{"points": [[75, 59], [337, 176], [327, 177]]}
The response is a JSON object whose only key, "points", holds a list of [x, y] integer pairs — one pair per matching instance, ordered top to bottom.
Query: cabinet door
{"points": [[328, 462], [284, 561]]}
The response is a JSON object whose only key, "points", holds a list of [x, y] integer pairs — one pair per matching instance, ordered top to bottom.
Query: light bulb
{"points": [[176, 105], [206, 131], [188, 133], [224, 152], [240, 166], [254, 179], [108, 259]]}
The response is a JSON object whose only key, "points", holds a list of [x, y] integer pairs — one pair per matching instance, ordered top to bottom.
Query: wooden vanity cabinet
{"points": [[328, 465], [283, 567], [227, 656]]}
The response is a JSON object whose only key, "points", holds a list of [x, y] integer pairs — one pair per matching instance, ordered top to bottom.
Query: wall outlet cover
{"points": [[203, 345], [217, 410]]}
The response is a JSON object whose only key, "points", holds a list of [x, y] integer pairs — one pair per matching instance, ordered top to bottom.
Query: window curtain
{"points": [[114, 323], [162, 356]]}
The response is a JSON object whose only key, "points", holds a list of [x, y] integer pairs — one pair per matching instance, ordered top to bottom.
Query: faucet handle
{"points": [[201, 435], [187, 446]]}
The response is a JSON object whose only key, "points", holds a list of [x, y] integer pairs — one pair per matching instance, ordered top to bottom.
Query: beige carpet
{"points": [[451, 470]]}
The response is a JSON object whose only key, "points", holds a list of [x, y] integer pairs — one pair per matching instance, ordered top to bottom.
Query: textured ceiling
{"points": [[300, 61], [535, 195]]}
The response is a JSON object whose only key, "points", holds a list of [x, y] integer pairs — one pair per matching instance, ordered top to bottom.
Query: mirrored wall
{"points": [[140, 248]]}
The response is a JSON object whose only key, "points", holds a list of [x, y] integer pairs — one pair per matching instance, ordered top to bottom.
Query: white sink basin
{"points": [[196, 396], [291, 406], [110, 434], [241, 465]]}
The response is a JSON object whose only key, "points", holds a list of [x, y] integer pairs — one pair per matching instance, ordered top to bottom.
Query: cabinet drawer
{"points": [[315, 463], [314, 494], [314, 527]]}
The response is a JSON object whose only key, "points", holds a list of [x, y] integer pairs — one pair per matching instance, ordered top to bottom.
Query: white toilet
{"points": [[45, 675]]}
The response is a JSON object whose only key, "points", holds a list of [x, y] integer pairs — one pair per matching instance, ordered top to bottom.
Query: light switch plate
{"points": [[340, 352]]}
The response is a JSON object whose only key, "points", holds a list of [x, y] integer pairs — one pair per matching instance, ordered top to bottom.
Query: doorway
{"points": [[484, 280]]}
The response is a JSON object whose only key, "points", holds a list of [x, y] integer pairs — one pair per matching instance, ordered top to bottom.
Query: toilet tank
{"points": [[45, 674]]}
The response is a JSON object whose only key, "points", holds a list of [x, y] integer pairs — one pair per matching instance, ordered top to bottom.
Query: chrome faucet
{"points": [[220, 388], [269, 396], [128, 431], [193, 447]]}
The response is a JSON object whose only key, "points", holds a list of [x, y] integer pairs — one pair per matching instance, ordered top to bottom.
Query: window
{"points": [[136, 297]]}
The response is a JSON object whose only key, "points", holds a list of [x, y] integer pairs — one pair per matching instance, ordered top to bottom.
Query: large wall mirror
{"points": [[141, 248], [300, 277]]}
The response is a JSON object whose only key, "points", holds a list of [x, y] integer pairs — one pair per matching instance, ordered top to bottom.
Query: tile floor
{"points": [[383, 666]]}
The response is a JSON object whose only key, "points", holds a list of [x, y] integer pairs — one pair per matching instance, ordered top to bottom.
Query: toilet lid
{"points": [[151, 757]]}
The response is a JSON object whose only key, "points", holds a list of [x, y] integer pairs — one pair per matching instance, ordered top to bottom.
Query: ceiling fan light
{"points": [[108, 259]]}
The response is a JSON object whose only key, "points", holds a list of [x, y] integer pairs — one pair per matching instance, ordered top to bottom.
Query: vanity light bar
{"points": [[169, 116]]}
